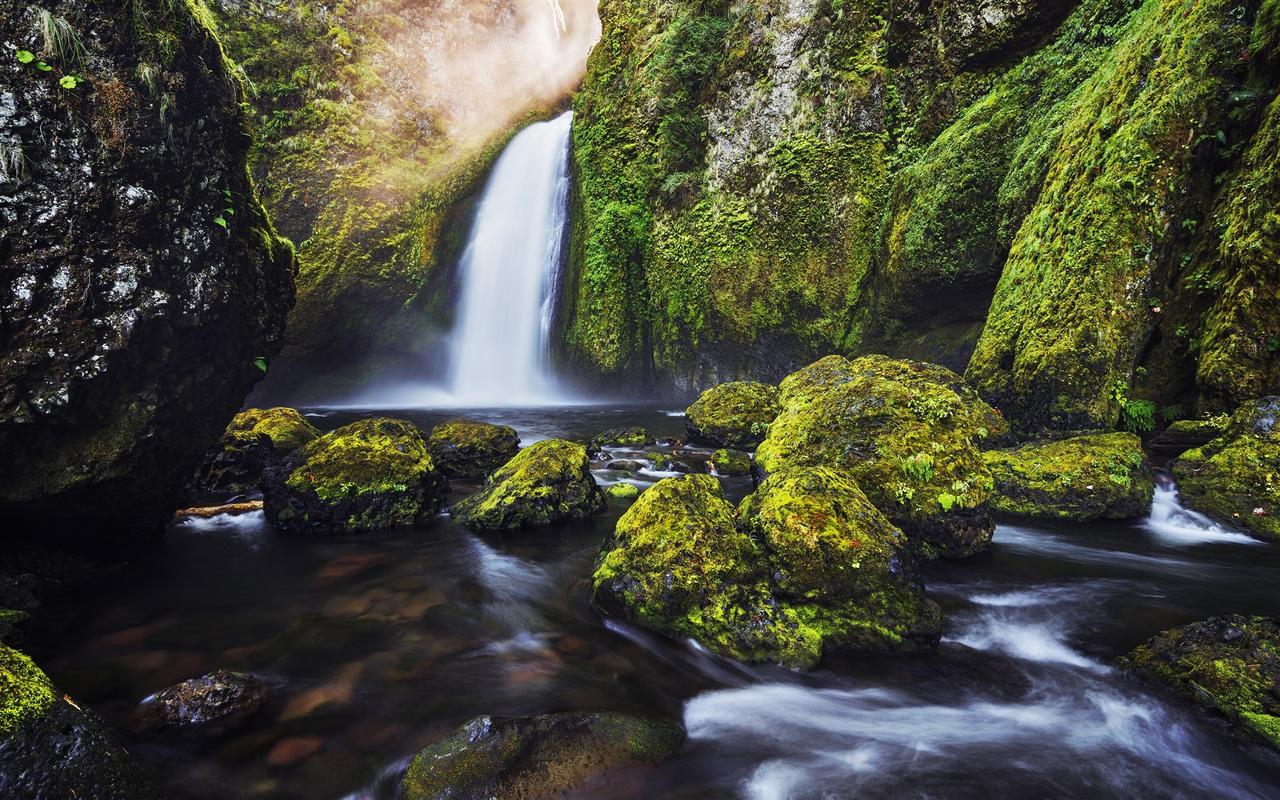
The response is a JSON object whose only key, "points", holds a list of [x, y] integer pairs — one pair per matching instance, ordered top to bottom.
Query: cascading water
{"points": [[509, 274], [1177, 524]]}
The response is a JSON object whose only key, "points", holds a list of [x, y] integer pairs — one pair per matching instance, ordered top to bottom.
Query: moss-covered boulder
{"points": [[735, 414], [908, 432], [1185, 434], [632, 436], [256, 440], [464, 448], [733, 463], [371, 474], [1094, 476], [1236, 477], [545, 483], [623, 491], [806, 563], [845, 568], [1229, 665], [51, 748], [536, 757]]}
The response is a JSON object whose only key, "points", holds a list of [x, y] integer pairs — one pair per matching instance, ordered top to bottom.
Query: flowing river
{"points": [[379, 645]]}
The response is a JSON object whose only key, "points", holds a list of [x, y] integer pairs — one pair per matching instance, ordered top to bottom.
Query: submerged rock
{"points": [[144, 289], [733, 414], [907, 432], [634, 436], [256, 440], [464, 448], [733, 463], [371, 474], [1095, 476], [1236, 477], [547, 482], [805, 563], [1229, 665], [221, 700], [51, 749], [492, 758]]}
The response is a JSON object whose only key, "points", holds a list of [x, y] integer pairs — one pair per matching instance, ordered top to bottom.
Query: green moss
{"points": [[735, 414], [286, 429], [907, 432], [634, 436], [464, 448], [730, 462], [1236, 477], [1083, 478], [545, 483], [623, 491], [1229, 664], [25, 691]]}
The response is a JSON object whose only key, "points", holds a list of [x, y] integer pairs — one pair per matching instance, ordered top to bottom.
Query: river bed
{"points": [[379, 645]]}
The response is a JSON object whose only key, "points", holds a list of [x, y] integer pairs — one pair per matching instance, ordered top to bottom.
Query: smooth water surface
{"points": [[379, 645]]}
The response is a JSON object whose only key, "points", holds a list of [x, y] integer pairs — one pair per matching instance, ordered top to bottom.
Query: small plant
{"points": [[60, 39], [70, 82], [13, 164], [221, 219], [261, 363], [932, 408], [1171, 413], [1138, 416], [919, 467], [903, 493], [947, 501]]}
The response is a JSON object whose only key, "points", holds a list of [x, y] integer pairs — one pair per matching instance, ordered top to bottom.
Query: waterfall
{"points": [[501, 340], [1176, 524]]}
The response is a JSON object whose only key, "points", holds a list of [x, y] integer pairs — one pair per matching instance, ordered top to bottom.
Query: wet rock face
{"points": [[140, 281], [464, 448], [369, 475], [1095, 476], [1234, 477], [545, 483], [1228, 665], [219, 700], [50, 749], [535, 757]]}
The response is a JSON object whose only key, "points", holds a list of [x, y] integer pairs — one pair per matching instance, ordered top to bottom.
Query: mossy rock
{"points": [[735, 414], [908, 432], [1185, 434], [634, 436], [256, 440], [464, 448], [733, 463], [369, 475], [1094, 476], [1236, 477], [545, 483], [624, 491], [846, 569], [1229, 665], [52, 748], [535, 757]]}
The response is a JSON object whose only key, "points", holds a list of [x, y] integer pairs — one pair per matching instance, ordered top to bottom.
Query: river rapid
{"points": [[379, 645]]}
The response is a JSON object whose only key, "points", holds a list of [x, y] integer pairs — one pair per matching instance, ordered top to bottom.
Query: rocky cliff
{"points": [[1074, 202], [144, 290]]}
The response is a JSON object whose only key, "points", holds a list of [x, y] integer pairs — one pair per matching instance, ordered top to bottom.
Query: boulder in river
{"points": [[144, 290], [735, 414], [908, 432], [633, 436], [256, 440], [465, 448], [732, 463], [371, 474], [1088, 477], [1236, 477], [545, 483], [624, 491], [804, 564], [1229, 665], [220, 700], [52, 749], [491, 758]]}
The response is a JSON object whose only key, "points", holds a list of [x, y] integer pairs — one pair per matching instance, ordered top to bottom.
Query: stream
{"points": [[378, 645]]}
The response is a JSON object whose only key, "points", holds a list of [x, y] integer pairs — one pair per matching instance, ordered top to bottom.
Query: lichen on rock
{"points": [[735, 414], [908, 432], [464, 448], [371, 474], [1094, 476], [1236, 477], [545, 483], [1229, 665]]}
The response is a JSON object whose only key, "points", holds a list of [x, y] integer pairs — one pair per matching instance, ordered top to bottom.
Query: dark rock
{"points": [[143, 286], [1183, 435], [634, 436], [255, 441], [464, 448], [624, 465], [221, 700], [535, 757]]}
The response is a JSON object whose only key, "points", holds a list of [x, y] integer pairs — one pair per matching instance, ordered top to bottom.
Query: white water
{"points": [[509, 271], [1178, 525]]}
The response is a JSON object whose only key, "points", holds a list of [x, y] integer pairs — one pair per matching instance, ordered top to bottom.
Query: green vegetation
{"points": [[733, 414], [464, 448], [546, 483], [24, 690]]}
